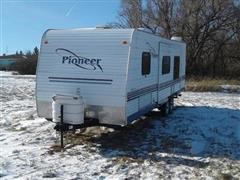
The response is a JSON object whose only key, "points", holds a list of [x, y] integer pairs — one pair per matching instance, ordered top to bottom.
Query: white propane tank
{"points": [[73, 109]]}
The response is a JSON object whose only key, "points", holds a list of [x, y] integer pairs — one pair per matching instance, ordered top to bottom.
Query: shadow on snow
{"points": [[188, 132]]}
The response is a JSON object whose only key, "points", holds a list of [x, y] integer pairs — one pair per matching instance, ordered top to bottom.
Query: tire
{"points": [[171, 104], [165, 109]]}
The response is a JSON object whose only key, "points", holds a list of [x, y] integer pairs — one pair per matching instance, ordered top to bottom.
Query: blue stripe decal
{"points": [[88, 79], [83, 82], [140, 92], [137, 93]]}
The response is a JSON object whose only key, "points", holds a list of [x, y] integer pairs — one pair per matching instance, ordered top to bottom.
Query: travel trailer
{"points": [[111, 76]]}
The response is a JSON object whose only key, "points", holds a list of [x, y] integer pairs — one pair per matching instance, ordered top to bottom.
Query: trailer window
{"points": [[146, 63], [166, 65], [176, 67]]}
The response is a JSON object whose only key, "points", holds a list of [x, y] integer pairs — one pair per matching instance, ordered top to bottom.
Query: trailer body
{"points": [[120, 73]]}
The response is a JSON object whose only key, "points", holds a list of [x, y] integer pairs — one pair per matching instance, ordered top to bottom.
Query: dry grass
{"points": [[207, 84]]}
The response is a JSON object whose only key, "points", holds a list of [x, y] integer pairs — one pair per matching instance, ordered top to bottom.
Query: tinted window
{"points": [[146, 63], [166, 65], [176, 67]]}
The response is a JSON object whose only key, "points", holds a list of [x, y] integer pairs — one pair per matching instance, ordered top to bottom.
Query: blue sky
{"points": [[24, 21]]}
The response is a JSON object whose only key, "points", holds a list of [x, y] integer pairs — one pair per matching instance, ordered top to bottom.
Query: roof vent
{"points": [[103, 27], [176, 38]]}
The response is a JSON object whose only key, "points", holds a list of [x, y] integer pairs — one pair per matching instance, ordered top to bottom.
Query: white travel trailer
{"points": [[120, 74]]}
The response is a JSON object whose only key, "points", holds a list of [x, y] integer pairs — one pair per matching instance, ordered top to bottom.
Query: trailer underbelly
{"points": [[104, 114]]}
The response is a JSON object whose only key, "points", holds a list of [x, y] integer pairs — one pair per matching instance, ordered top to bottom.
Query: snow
{"points": [[230, 88], [199, 140]]}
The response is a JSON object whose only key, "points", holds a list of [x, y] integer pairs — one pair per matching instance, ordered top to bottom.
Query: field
{"points": [[213, 85], [199, 140]]}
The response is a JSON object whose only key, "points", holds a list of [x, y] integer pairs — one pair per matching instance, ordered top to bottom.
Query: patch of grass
{"points": [[215, 85], [127, 160]]}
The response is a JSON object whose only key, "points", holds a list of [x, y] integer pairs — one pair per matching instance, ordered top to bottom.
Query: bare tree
{"points": [[131, 13], [162, 14], [209, 27]]}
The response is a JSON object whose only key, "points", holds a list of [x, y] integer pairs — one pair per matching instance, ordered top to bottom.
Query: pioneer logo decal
{"points": [[69, 57]]}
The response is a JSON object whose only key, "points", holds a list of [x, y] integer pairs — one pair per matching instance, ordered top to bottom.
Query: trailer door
{"points": [[176, 67], [164, 72]]}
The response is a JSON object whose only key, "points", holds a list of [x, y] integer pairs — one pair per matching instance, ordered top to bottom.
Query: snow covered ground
{"points": [[200, 140]]}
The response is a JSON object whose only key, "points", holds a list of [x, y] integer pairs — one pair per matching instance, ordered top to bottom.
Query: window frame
{"points": [[146, 63], [166, 67], [176, 70]]}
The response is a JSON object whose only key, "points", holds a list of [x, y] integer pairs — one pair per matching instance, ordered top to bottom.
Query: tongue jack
{"points": [[62, 145]]}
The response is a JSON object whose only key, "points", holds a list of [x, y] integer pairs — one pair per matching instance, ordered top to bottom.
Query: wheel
{"points": [[171, 104], [165, 109]]}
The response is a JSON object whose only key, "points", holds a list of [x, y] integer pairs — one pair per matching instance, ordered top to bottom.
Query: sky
{"points": [[22, 22]]}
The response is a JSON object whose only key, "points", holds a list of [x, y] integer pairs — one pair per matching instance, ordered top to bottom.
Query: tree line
{"points": [[210, 28], [27, 63]]}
